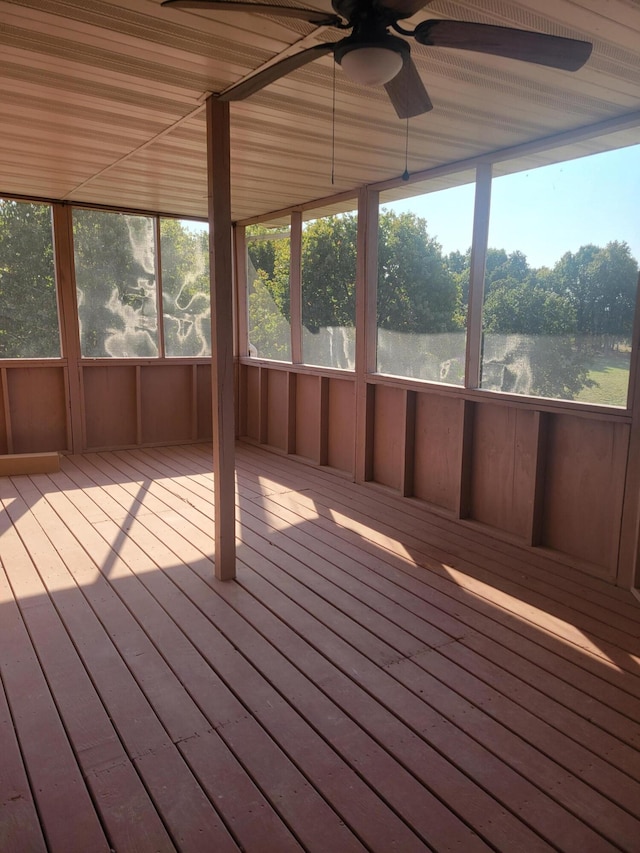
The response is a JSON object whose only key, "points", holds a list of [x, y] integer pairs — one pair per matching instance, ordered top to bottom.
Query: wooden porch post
{"points": [[220, 257]]}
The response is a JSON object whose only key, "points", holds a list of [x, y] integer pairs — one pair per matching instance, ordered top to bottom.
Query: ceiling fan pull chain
{"points": [[333, 125], [405, 174]]}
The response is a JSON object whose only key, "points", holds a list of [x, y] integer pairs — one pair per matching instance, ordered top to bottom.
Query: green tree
{"points": [[501, 266], [329, 272], [116, 283], [601, 283], [416, 290], [268, 292], [186, 303], [28, 305], [521, 308], [269, 330], [531, 337]]}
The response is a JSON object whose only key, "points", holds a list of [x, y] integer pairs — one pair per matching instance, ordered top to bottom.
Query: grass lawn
{"points": [[611, 372]]}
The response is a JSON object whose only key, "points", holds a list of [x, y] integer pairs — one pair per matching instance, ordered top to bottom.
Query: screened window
{"points": [[115, 260], [561, 278], [423, 285], [329, 291], [186, 301], [269, 313], [29, 325]]}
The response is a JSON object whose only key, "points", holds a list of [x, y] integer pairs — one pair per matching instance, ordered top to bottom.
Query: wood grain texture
{"points": [[222, 376], [251, 390], [166, 403], [204, 405], [37, 406], [110, 406], [277, 412], [308, 423], [341, 424], [388, 436], [438, 440], [28, 463], [504, 468], [584, 489], [378, 677]]}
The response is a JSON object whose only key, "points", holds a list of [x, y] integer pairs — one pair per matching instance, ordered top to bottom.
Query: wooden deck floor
{"points": [[375, 679]]}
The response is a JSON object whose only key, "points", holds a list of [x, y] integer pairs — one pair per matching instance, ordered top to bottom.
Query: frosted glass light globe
{"points": [[371, 66]]}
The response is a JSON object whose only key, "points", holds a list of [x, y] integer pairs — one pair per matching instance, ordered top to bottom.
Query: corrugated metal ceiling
{"points": [[101, 102]]}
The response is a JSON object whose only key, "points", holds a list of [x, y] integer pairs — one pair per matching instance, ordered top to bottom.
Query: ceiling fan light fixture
{"points": [[373, 64]]}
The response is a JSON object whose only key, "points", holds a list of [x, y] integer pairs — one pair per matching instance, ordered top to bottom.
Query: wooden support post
{"points": [[221, 267], [476, 276], [295, 287], [242, 296], [69, 325], [366, 330], [628, 574]]}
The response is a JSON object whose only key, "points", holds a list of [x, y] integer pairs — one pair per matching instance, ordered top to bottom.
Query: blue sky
{"points": [[548, 211], [544, 212]]}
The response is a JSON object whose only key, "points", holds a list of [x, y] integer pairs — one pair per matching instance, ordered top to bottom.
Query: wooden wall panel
{"points": [[166, 403], [110, 406], [38, 407], [278, 408], [205, 412], [308, 416], [341, 424], [251, 426], [388, 436], [438, 441], [503, 467], [584, 484]]}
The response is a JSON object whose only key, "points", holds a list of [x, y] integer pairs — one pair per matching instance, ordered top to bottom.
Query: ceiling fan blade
{"points": [[404, 8], [312, 16], [543, 49], [279, 69], [407, 93]]}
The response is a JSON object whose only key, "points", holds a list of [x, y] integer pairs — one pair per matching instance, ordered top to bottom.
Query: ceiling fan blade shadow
{"points": [[404, 8], [312, 16], [540, 48], [253, 84], [407, 93]]}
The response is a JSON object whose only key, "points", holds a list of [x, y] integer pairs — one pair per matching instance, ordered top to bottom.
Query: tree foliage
{"points": [[115, 266], [329, 272], [601, 284], [416, 290], [268, 297], [186, 300], [28, 306], [542, 325]]}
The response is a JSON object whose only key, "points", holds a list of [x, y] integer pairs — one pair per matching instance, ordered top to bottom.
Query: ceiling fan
{"points": [[371, 55]]}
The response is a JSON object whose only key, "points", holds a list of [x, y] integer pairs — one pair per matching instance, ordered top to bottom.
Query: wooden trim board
{"points": [[12, 464]]}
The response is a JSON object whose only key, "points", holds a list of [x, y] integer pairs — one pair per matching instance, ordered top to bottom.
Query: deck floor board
{"points": [[376, 678]]}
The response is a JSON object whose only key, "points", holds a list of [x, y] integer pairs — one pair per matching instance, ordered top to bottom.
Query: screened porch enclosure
{"points": [[497, 390], [342, 551]]}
